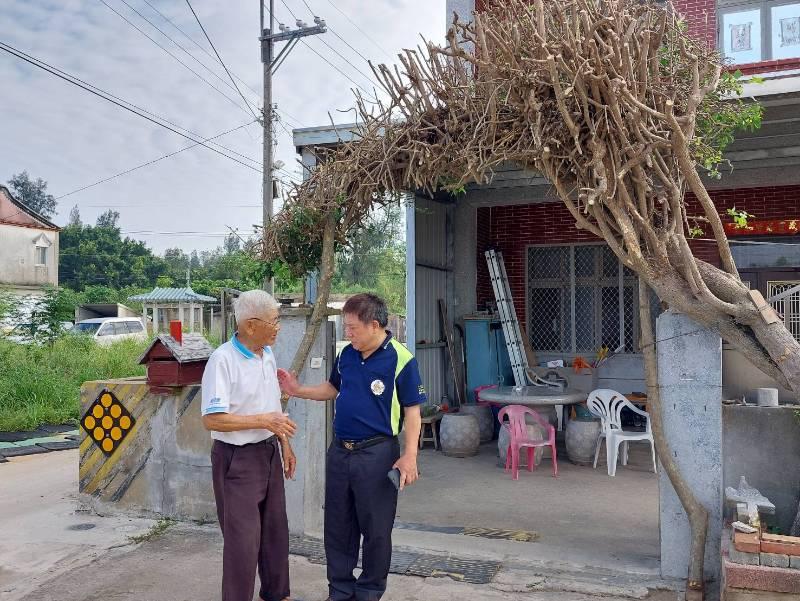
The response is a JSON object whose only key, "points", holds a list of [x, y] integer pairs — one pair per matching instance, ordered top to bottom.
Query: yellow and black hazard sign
{"points": [[107, 422]]}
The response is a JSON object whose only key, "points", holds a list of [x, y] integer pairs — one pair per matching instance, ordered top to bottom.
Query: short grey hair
{"points": [[253, 303]]}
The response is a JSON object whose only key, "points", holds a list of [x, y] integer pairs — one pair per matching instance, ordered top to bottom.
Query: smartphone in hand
{"points": [[394, 477]]}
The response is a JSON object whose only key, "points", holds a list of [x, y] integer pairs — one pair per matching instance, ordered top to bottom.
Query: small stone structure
{"points": [[755, 563]]}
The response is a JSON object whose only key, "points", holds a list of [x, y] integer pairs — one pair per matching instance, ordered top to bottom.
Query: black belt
{"points": [[357, 445]]}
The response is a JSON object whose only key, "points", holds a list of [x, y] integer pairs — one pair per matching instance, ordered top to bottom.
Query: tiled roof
{"points": [[166, 295], [194, 348]]}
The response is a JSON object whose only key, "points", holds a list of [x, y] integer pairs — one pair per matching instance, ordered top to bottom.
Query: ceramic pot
{"points": [[485, 419], [535, 431], [459, 435], [581, 439]]}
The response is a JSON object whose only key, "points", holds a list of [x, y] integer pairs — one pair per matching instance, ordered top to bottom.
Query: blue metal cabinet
{"points": [[487, 355]]}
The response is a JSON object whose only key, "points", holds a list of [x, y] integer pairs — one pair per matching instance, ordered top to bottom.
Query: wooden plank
{"points": [[767, 312], [454, 364]]}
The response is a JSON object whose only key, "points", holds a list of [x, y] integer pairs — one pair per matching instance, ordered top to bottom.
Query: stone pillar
{"points": [[690, 379], [305, 494]]}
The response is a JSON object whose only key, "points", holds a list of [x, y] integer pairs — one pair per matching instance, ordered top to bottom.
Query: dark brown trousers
{"points": [[251, 507]]}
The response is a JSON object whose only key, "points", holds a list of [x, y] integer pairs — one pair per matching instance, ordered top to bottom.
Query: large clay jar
{"points": [[485, 419], [535, 431], [459, 435], [581, 440]]}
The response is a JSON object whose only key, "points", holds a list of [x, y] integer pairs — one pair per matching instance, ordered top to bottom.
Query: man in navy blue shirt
{"points": [[378, 390]]}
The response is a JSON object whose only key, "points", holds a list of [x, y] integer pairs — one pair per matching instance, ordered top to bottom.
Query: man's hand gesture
{"points": [[288, 382], [279, 424]]}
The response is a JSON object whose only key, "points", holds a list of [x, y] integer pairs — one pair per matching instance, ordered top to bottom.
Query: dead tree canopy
{"points": [[611, 100]]}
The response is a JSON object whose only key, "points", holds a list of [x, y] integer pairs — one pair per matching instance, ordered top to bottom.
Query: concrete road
{"points": [[50, 552]]}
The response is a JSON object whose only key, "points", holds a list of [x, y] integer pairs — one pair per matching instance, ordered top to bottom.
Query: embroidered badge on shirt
{"points": [[377, 387]]}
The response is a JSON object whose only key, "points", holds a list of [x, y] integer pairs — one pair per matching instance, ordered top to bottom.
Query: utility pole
{"points": [[268, 38]]}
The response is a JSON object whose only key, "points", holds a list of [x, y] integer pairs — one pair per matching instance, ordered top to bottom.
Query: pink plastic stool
{"points": [[518, 431]]}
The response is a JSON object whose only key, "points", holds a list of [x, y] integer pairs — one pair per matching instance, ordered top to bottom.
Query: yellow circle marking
{"points": [[105, 400], [116, 410], [97, 411], [107, 422], [125, 422], [89, 423], [116, 433], [98, 434], [108, 444]]}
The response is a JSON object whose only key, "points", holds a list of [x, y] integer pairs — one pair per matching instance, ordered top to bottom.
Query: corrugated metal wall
{"points": [[432, 274]]}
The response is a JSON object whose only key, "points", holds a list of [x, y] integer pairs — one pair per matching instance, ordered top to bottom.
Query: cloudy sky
{"points": [[72, 139]]}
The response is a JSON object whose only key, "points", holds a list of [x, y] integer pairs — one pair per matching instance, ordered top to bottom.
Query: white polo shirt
{"points": [[239, 382]]}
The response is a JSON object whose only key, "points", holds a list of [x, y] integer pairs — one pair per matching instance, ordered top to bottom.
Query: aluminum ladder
{"points": [[508, 316]]}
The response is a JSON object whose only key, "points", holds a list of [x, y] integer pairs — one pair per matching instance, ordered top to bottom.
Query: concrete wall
{"points": [[18, 257], [740, 378], [690, 380], [763, 444], [161, 467], [305, 495]]}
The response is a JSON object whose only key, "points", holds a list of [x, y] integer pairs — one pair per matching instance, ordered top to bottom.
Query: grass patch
{"points": [[40, 384], [156, 530]]}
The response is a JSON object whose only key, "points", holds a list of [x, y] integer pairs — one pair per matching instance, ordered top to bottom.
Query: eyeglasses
{"points": [[274, 324]]}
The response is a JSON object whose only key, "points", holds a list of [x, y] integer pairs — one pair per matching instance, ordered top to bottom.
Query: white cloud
{"points": [[70, 138]]}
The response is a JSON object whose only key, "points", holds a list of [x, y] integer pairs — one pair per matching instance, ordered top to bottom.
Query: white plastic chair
{"points": [[608, 406]]}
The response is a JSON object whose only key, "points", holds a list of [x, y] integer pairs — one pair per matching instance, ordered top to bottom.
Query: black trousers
{"points": [[359, 501], [251, 507]]}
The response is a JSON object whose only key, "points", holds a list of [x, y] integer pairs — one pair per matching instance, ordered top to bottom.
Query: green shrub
{"points": [[40, 384]]}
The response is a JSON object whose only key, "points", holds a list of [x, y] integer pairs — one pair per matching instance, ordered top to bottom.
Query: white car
{"points": [[106, 330]]}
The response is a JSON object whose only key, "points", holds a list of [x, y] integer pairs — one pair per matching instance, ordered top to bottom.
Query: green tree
{"points": [[33, 194], [75, 216], [108, 219], [98, 255], [375, 259]]}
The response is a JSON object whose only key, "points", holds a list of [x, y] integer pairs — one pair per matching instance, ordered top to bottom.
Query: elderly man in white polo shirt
{"points": [[242, 409]]}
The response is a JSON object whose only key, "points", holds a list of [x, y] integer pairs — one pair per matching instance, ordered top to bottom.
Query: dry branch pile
{"points": [[605, 98]]}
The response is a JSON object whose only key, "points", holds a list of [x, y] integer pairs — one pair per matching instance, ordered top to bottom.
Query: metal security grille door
{"points": [[580, 297], [786, 305]]}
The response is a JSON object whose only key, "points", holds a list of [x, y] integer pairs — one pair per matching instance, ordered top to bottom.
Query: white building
{"points": [[28, 248]]}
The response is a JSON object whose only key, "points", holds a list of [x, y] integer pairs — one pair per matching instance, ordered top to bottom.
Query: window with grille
{"points": [[752, 31], [41, 255], [580, 297], [787, 306]]}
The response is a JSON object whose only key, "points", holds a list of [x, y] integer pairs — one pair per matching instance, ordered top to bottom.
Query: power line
{"points": [[291, 12], [132, 24], [364, 33], [338, 36], [193, 41], [185, 51], [207, 53], [221, 62], [43, 66], [364, 75], [346, 76], [137, 107], [148, 163]]}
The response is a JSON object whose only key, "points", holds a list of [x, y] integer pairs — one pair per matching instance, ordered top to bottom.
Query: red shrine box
{"points": [[172, 362]]}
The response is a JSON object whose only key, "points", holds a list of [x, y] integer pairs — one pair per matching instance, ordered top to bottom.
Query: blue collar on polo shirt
{"points": [[246, 352]]}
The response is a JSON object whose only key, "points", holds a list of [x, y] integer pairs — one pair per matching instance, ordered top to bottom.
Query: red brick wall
{"points": [[701, 15], [511, 229]]}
